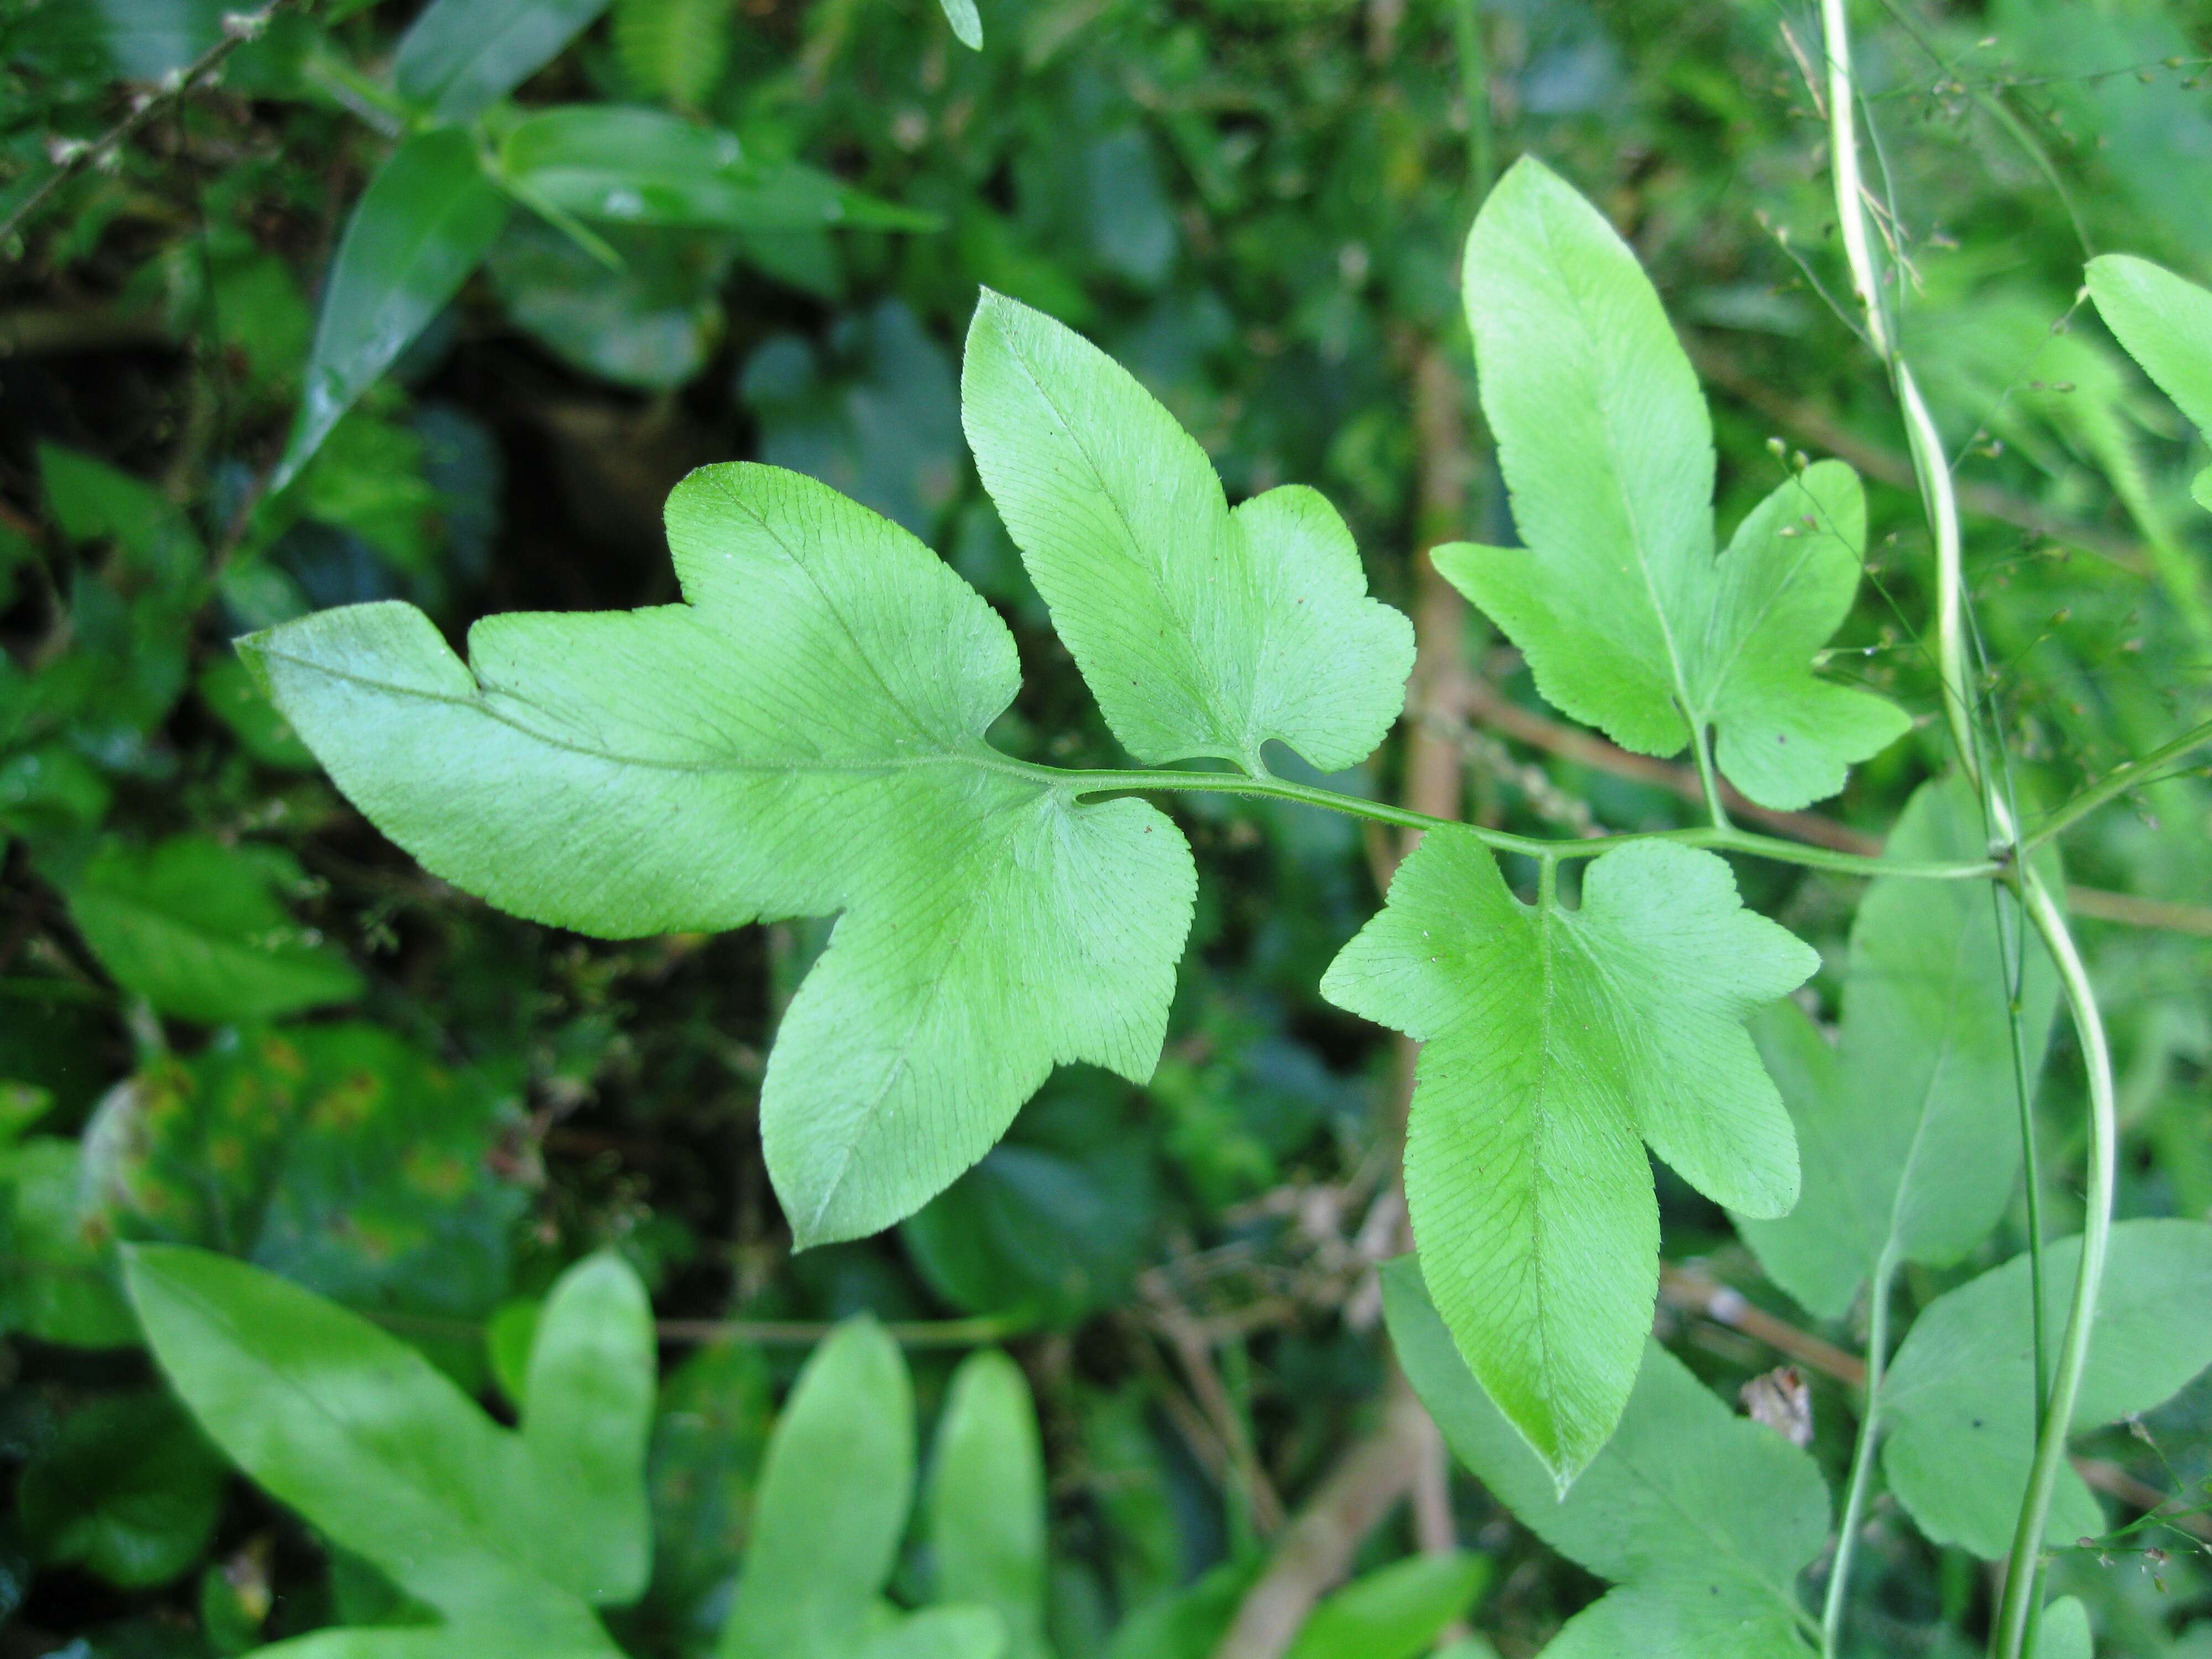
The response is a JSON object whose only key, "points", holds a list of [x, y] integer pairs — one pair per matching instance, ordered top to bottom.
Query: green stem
{"points": [[1474, 53], [369, 99], [1931, 465], [1701, 747], [2133, 776], [1714, 837], [2032, 1168], [796, 1333], [1855, 1500], [2015, 1616]]}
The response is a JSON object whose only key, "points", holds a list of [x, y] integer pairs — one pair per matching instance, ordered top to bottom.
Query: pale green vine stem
{"points": [[1931, 462], [1855, 1499], [2017, 1614], [2016, 1621]]}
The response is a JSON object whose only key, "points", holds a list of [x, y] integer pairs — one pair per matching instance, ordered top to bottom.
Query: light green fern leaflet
{"points": [[1627, 618], [1201, 631], [804, 736], [1559, 1041]]}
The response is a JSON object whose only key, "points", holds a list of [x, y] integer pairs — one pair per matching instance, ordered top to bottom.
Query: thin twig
{"points": [[238, 28], [1686, 1286], [1689, 1288], [1194, 1349], [1405, 1455], [1316, 1549]]}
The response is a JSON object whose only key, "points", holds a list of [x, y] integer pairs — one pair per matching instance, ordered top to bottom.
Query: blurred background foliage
{"points": [[232, 1015]]}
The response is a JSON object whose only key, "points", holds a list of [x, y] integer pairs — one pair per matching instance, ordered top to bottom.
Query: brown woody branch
{"points": [[1316, 1549]]}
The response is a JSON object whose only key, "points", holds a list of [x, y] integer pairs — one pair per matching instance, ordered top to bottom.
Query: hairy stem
{"points": [[237, 30], [1855, 1500]]}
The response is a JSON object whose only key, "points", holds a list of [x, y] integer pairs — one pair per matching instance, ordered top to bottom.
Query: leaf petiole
{"points": [[1701, 746], [2134, 774], [1719, 838], [1855, 1499]]}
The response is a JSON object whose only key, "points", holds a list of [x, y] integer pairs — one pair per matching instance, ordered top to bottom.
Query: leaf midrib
{"points": [[1638, 540], [1218, 700], [983, 757], [1548, 1001], [903, 1051]]}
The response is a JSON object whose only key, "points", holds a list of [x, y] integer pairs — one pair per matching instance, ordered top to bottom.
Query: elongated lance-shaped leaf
{"points": [[967, 22], [461, 56], [645, 166], [426, 220], [2165, 323], [1626, 618], [1201, 631], [804, 736], [197, 928], [1558, 1042], [1909, 1126], [1959, 1402], [587, 1410], [380, 1452], [831, 1505], [986, 1514], [1702, 1519], [1395, 1612], [957, 1632]]}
